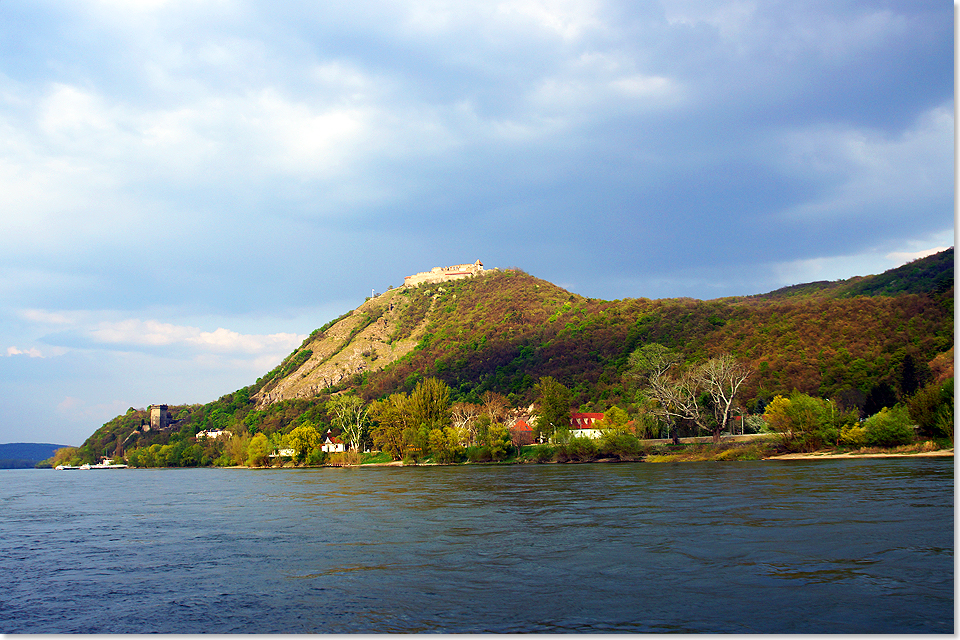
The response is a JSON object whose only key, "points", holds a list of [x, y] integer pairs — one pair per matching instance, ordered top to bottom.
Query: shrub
{"points": [[889, 427], [853, 435], [623, 445], [578, 450], [543, 452], [747, 452], [479, 454], [317, 456]]}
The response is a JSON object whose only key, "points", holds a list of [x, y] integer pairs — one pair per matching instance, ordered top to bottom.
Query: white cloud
{"points": [[569, 19], [872, 171], [903, 257], [842, 267], [49, 317], [152, 333], [33, 353]]}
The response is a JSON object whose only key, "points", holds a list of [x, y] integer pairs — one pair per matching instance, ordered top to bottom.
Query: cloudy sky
{"points": [[191, 187]]}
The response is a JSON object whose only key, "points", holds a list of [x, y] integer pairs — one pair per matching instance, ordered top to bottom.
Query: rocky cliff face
{"points": [[367, 340]]}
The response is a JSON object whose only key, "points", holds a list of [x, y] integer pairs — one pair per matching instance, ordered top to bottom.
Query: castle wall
{"points": [[444, 274]]}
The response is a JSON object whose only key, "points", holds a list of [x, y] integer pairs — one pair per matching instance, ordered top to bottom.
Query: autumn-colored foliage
{"points": [[495, 336]]}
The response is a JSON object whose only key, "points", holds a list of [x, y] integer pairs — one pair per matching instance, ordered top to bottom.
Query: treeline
{"points": [[504, 332], [675, 399]]}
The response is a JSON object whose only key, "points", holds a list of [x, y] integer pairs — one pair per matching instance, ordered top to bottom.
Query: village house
{"points": [[581, 424], [521, 433], [213, 434], [332, 444]]}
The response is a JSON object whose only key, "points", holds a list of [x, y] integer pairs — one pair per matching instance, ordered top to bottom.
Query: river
{"points": [[806, 546]]}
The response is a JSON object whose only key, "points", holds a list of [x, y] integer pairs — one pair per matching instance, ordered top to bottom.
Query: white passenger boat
{"points": [[106, 464]]}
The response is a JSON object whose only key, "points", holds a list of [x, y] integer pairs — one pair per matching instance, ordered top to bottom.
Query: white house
{"points": [[581, 424], [213, 435], [332, 445]]}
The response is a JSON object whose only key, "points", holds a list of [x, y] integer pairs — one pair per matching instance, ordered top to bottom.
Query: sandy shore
{"points": [[943, 453]]}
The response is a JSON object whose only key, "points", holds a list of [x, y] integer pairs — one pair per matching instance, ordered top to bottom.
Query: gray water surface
{"points": [[824, 546]]}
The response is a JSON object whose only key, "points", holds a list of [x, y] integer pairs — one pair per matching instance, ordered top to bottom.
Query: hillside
{"points": [[933, 274], [503, 330]]}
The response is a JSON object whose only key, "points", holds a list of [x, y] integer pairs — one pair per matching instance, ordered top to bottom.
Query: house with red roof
{"points": [[581, 424], [521, 433]]}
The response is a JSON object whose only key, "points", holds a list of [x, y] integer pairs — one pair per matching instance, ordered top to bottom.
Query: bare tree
{"points": [[651, 365], [721, 377], [679, 394], [496, 406], [463, 416]]}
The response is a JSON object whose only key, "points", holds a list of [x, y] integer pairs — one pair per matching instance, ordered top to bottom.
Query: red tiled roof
{"points": [[584, 420]]}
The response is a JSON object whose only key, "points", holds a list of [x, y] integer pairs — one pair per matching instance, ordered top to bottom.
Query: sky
{"points": [[190, 187]]}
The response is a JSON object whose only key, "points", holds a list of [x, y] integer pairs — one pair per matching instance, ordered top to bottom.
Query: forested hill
{"points": [[933, 274], [504, 330], [24, 455]]}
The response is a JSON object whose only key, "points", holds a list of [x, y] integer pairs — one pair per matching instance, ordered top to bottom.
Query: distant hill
{"points": [[933, 274], [503, 330], [25, 455]]}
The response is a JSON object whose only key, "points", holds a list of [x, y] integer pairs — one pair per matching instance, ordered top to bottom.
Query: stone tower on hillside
{"points": [[159, 417]]}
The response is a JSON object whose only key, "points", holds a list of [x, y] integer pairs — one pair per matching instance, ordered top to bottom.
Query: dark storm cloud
{"points": [[211, 173]]}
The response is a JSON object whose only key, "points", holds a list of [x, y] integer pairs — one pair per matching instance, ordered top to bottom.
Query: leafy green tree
{"points": [[429, 403], [932, 409], [391, 419], [553, 420], [615, 420], [806, 423], [889, 427], [303, 439], [499, 441], [445, 444], [235, 449], [258, 451], [150, 456], [162, 456], [191, 456]]}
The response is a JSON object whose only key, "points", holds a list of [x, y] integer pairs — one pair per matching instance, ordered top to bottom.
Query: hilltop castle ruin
{"points": [[444, 274]]}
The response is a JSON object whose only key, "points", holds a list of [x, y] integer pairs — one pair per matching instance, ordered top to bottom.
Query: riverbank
{"points": [[738, 448], [819, 455]]}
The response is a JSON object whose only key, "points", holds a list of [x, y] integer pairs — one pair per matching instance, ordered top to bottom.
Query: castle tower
{"points": [[159, 417]]}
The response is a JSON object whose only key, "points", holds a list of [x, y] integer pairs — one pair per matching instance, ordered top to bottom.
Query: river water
{"points": [[820, 546]]}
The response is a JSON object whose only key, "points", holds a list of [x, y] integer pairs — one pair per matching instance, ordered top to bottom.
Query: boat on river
{"points": [[106, 464]]}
